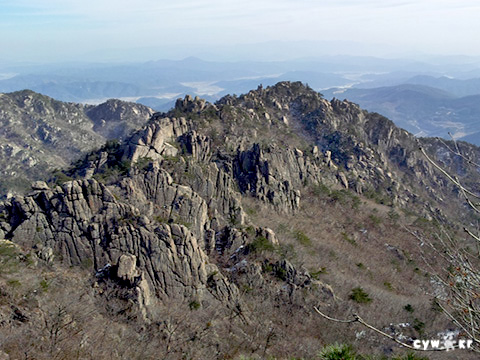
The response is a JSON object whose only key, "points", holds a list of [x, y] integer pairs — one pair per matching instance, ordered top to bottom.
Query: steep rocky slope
{"points": [[39, 133], [247, 212]]}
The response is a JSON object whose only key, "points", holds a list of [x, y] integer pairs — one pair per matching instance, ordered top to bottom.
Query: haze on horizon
{"points": [[121, 30]]}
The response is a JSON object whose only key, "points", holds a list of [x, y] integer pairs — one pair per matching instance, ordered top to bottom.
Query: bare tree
{"points": [[461, 278]]}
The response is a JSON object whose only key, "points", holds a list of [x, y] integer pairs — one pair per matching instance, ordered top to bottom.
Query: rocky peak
{"points": [[189, 104], [115, 119], [39, 134], [366, 150]]}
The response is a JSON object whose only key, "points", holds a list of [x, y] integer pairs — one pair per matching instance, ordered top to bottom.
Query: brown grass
{"points": [[351, 249]]}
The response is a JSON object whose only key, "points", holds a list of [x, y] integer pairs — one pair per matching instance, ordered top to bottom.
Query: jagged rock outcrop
{"points": [[191, 105], [157, 140], [197, 145], [360, 150], [364, 151], [276, 175], [262, 178], [218, 187], [160, 198], [83, 223]]}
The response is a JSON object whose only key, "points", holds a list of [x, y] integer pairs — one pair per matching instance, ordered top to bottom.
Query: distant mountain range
{"points": [[159, 83], [458, 87], [424, 98], [422, 110]]}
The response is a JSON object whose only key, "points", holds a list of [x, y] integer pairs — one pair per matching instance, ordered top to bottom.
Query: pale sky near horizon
{"points": [[60, 29]]}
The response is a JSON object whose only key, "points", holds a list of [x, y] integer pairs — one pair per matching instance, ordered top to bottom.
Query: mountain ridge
{"points": [[40, 133], [259, 206]]}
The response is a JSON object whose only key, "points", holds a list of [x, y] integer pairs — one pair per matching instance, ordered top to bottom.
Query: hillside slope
{"points": [[39, 133], [214, 230]]}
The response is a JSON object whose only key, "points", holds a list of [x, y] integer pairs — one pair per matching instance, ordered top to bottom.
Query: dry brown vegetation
{"points": [[371, 246], [50, 312]]}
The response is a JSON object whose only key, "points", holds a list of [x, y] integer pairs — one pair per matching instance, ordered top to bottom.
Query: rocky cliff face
{"points": [[39, 134], [362, 151], [163, 213], [82, 223]]}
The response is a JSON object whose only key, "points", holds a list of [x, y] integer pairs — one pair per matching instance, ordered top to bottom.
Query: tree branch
{"points": [[448, 175], [358, 319]]}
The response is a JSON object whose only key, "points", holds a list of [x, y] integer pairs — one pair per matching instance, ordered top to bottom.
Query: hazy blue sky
{"points": [[62, 29]]}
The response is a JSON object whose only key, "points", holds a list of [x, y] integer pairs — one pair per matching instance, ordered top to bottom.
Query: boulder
{"points": [[39, 185], [126, 268]]}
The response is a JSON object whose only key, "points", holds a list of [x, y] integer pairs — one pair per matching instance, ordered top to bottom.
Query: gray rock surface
{"points": [[39, 134], [84, 223]]}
